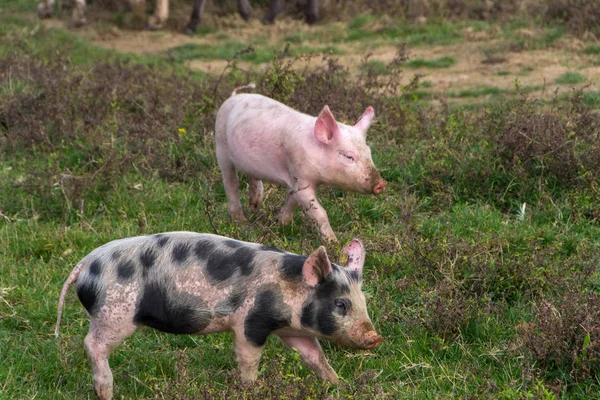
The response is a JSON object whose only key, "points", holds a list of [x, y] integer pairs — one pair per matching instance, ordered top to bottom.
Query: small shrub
{"points": [[578, 15], [561, 146], [563, 339]]}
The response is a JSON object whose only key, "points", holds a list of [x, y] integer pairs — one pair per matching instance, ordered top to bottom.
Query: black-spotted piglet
{"points": [[184, 282]]}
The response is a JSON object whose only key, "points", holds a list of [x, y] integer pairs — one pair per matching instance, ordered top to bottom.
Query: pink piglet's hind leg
{"points": [[231, 184], [255, 194], [287, 212]]}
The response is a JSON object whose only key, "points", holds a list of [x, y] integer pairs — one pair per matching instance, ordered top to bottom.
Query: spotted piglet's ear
{"points": [[353, 256], [316, 267]]}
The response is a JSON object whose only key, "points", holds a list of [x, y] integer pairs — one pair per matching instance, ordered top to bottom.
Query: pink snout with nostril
{"points": [[380, 187]]}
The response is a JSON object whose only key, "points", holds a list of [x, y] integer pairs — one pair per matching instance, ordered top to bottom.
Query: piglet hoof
{"points": [[43, 11], [245, 15], [312, 19], [267, 20], [78, 23], [154, 23], [238, 217], [284, 219], [330, 238], [331, 377]]}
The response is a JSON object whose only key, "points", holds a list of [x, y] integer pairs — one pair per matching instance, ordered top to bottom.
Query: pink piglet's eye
{"points": [[349, 156]]}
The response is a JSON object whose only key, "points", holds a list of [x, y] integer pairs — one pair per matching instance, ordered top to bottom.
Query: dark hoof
{"points": [[43, 11], [44, 14], [312, 19], [266, 20], [78, 24], [150, 27], [189, 31]]}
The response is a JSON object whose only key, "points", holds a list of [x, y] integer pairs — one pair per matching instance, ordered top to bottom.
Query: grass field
{"points": [[482, 268]]}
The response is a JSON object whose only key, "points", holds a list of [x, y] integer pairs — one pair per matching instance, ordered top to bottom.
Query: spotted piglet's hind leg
{"points": [[100, 341]]}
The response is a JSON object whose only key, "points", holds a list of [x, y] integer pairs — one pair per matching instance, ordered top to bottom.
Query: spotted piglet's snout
{"points": [[364, 335], [371, 340]]}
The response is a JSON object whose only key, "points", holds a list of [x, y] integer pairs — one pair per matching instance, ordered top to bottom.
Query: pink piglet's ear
{"points": [[365, 120], [326, 128], [316, 267]]}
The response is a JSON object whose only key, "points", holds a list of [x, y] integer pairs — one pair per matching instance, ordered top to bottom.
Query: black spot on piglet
{"points": [[161, 240], [232, 244], [263, 247], [203, 248], [180, 252], [147, 259], [222, 266], [96, 267], [290, 267], [125, 270], [91, 294], [231, 303], [171, 311], [268, 314]]}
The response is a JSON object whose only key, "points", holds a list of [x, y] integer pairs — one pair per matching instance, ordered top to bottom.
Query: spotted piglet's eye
{"points": [[342, 305]]}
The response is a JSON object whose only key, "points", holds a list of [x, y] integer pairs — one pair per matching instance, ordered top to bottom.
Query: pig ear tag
{"points": [[344, 258]]}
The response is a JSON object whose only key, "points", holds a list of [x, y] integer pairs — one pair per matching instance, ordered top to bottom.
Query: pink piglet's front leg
{"points": [[306, 198]]}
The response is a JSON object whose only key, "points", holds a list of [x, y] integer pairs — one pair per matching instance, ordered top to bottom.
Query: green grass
{"points": [[430, 33], [592, 49], [260, 54], [441, 62], [375, 67], [525, 71], [503, 73], [570, 78], [477, 92], [592, 98], [457, 268]]}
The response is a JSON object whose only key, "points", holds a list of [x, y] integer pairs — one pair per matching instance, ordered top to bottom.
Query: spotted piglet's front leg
{"points": [[312, 356], [248, 357]]}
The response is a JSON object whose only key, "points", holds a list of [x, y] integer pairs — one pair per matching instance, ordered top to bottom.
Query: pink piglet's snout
{"points": [[380, 187]]}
